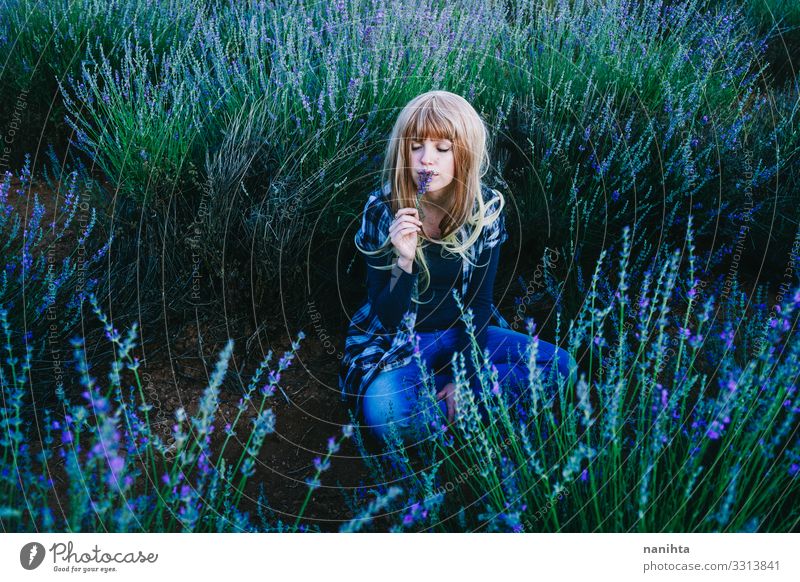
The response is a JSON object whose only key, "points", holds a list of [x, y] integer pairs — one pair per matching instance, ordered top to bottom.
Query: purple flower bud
{"points": [[333, 447], [116, 465], [321, 465]]}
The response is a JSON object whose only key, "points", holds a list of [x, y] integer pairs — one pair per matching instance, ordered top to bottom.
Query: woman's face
{"points": [[436, 155]]}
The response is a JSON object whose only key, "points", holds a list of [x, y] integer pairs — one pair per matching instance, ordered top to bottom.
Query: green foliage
{"points": [[669, 428]]}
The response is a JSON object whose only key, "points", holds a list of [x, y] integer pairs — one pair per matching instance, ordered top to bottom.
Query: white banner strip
{"points": [[389, 557]]}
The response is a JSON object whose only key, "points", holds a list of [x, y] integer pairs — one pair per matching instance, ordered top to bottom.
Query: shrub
{"points": [[46, 41], [307, 109], [637, 113], [52, 257], [671, 427], [102, 466]]}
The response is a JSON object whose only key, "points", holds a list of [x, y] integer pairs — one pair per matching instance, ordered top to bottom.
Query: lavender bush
{"points": [[778, 21], [46, 41], [305, 91], [616, 110], [641, 113], [230, 133], [51, 257], [684, 418], [102, 466]]}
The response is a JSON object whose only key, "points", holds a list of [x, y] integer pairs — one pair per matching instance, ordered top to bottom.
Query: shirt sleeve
{"points": [[497, 233], [389, 291], [479, 297]]}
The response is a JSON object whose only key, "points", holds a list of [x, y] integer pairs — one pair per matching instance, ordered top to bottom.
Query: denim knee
{"points": [[391, 400], [384, 402]]}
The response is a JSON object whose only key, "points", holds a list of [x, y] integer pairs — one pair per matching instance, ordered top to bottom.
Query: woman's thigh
{"points": [[508, 349], [392, 398]]}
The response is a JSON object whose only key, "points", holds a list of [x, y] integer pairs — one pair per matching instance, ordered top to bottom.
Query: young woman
{"points": [[419, 251]]}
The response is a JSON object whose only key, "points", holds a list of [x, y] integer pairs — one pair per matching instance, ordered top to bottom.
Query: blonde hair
{"points": [[441, 115]]}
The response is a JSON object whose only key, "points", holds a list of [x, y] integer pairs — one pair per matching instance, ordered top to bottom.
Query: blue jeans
{"points": [[391, 398]]}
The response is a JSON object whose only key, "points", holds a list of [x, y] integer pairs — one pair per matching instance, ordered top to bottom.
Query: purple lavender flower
{"points": [[424, 181], [727, 336], [715, 429], [333, 446], [321, 464], [416, 513]]}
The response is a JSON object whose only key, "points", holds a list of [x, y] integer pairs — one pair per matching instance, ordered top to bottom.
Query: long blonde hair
{"points": [[441, 115]]}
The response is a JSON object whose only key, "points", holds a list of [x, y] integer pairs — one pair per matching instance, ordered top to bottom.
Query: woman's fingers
{"points": [[409, 211], [403, 220], [405, 225], [398, 226], [407, 230], [404, 233]]}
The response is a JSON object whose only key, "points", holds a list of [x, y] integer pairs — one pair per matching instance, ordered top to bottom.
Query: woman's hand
{"points": [[403, 232], [449, 395]]}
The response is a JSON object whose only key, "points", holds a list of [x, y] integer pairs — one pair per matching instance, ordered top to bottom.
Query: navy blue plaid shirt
{"points": [[370, 347]]}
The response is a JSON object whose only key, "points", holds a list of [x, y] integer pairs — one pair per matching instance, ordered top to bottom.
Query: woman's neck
{"points": [[440, 196], [435, 204]]}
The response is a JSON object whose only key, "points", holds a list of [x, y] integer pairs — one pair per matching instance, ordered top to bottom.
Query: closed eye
{"points": [[415, 148]]}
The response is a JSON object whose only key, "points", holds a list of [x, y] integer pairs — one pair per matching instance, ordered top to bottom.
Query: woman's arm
{"points": [[389, 291]]}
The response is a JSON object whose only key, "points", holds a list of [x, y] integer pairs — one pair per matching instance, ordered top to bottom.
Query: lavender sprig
{"points": [[424, 181], [322, 464]]}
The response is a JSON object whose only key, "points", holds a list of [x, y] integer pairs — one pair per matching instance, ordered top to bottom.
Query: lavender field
{"points": [[180, 187]]}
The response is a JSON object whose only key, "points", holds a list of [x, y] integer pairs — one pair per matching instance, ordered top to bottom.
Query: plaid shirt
{"points": [[371, 348]]}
